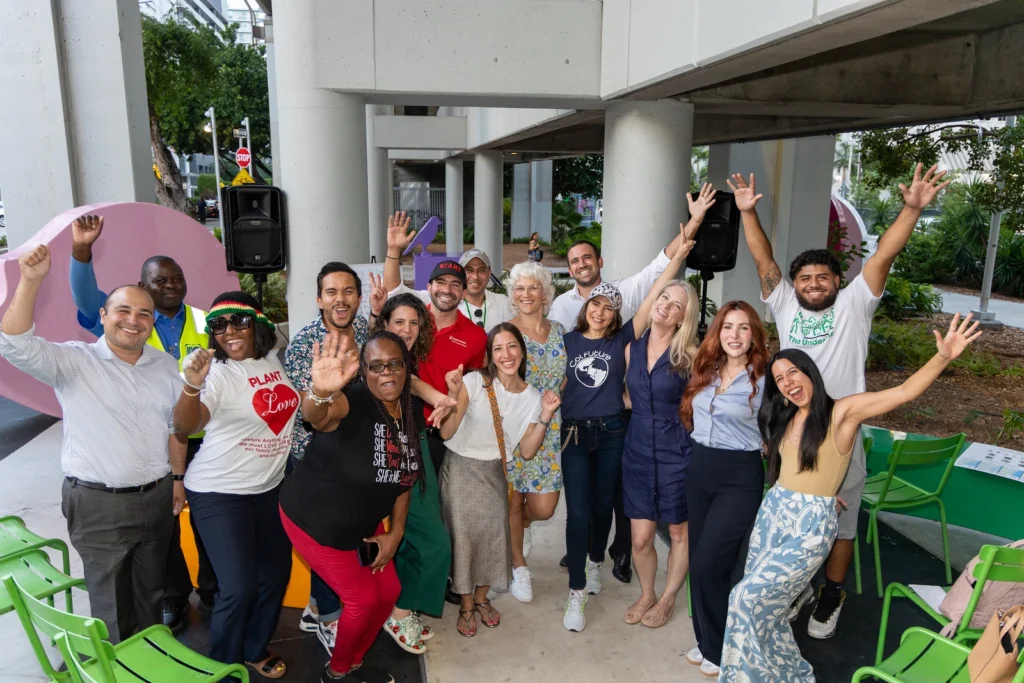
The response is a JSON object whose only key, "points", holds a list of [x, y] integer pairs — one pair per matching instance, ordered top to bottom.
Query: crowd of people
{"points": [[406, 456]]}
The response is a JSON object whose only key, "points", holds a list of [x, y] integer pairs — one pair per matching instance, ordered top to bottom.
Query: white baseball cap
{"points": [[471, 254]]}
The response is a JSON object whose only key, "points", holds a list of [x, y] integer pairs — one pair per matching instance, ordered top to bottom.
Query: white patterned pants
{"points": [[792, 536]]}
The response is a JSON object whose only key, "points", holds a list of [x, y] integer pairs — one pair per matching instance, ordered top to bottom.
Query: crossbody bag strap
{"points": [[499, 431]]}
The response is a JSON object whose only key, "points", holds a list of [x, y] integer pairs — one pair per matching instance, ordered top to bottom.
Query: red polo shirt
{"points": [[462, 343]]}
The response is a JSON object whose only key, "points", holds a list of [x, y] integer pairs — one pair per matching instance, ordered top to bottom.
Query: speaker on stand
{"points": [[254, 232], [716, 247]]}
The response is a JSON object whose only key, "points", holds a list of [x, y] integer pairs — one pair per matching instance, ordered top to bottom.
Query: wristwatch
{"points": [[178, 477]]}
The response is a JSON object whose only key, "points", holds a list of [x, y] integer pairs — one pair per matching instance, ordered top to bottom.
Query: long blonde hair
{"points": [[683, 347]]}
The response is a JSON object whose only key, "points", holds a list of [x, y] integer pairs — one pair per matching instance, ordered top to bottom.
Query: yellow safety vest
{"points": [[193, 336]]}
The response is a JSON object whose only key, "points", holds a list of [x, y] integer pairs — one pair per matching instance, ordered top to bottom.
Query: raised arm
{"points": [[920, 194], [85, 230], [399, 237], [760, 248], [640, 318], [335, 364], [456, 390], [851, 411], [190, 413], [535, 433]]}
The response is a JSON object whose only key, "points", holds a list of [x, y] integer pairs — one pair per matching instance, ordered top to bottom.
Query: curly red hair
{"points": [[711, 356]]}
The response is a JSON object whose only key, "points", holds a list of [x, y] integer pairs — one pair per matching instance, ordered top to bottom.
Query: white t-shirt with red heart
{"points": [[252, 414]]}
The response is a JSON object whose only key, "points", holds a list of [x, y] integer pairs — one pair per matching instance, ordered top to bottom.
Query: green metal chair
{"points": [[869, 443], [886, 491], [15, 537], [998, 563], [38, 577], [152, 656], [924, 657]]}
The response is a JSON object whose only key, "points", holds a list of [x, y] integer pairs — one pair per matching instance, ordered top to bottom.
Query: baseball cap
{"points": [[471, 254], [448, 268], [610, 291]]}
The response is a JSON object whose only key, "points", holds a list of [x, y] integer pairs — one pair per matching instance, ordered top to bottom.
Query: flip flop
{"points": [[272, 667]]}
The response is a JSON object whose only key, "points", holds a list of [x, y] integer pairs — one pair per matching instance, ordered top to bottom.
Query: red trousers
{"points": [[368, 598]]}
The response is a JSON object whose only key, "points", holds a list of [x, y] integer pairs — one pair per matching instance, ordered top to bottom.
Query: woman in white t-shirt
{"points": [[240, 394], [474, 491]]}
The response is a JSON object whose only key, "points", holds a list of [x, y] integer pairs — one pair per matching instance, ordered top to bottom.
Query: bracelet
{"points": [[396, 258], [199, 388], [185, 391], [318, 400], [546, 424], [178, 477]]}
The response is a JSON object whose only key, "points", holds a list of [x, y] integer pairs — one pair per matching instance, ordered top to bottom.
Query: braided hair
{"points": [[411, 454]]}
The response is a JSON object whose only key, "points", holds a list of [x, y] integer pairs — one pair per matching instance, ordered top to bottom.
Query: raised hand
{"points": [[923, 189], [746, 193], [704, 201], [86, 229], [399, 233], [35, 264], [378, 294], [957, 338], [335, 364], [196, 366], [454, 381], [549, 403], [442, 409]]}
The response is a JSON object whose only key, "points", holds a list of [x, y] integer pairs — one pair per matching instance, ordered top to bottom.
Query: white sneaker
{"points": [[527, 542], [593, 577], [522, 586], [804, 598], [573, 619], [310, 621], [823, 622], [327, 634], [695, 657], [709, 669]]}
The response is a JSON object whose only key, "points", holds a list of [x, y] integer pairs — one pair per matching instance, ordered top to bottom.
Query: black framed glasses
{"points": [[239, 321], [377, 367]]}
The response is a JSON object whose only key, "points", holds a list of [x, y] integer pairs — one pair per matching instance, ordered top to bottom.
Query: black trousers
{"points": [[437, 449], [723, 494], [178, 582]]}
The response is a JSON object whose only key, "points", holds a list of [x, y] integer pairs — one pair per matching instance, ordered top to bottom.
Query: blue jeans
{"points": [[591, 476], [327, 604]]}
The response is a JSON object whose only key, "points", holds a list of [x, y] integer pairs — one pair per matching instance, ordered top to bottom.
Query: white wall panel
{"points": [[725, 27], [661, 38], [615, 46]]}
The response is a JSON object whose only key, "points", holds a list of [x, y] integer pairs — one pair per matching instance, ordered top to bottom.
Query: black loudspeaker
{"points": [[254, 229], [718, 237]]}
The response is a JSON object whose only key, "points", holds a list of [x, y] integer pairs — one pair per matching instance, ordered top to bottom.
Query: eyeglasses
{"points": [[239, 321], [377, 366]]}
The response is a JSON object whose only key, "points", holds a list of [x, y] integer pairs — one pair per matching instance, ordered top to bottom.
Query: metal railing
{"points": [[420, 203]]}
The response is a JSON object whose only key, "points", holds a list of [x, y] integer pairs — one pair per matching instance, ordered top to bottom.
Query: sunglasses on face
{"points": [[239, 321], [377, 367]]}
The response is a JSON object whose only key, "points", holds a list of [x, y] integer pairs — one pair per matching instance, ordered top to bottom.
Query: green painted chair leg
{"points": [[945, 541], [878, 555], [856, 565], [689, 599]]}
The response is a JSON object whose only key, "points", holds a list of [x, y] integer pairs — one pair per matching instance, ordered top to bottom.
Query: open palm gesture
{"points": [[923, 189], [745, 192], [704, 201], [399, 233], [957, 337], [335, 364]]}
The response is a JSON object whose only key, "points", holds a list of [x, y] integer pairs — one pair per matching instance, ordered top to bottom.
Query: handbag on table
{"points": [[994, 657]]}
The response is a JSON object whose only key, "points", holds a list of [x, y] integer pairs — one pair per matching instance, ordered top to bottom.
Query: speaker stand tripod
{"points": [[260, 279], [702, 327]]}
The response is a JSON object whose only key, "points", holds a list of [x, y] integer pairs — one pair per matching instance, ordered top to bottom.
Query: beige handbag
{"points": [[994, 657]]}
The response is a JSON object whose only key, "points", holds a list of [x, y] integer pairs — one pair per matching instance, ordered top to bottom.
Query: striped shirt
{"points": [[117, 416]]}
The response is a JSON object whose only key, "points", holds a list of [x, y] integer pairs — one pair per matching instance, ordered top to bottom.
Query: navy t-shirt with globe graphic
{"points": [[595, 374]]}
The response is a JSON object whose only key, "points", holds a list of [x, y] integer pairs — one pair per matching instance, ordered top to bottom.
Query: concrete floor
{"points": [[1007, 312]]}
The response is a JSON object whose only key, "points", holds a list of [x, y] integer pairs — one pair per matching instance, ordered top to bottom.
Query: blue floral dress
{"points": [[545, 368]]}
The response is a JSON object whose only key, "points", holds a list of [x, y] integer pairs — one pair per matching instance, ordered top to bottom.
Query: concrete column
{"points": [[74, 126], [275, 145], [323, 164], [378, 174], [646, 175], [795, 177], [487, 193], [540, 199], [522, 200], [453, 222]]}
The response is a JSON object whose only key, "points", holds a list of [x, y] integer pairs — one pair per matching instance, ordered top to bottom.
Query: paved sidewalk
{"points": [[1007, 312]]}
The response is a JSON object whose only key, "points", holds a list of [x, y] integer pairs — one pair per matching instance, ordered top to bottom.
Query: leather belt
{"points": [[75, 481]]}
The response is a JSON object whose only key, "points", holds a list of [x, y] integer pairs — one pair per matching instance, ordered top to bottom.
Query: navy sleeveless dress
{"points": [[657, 450]]}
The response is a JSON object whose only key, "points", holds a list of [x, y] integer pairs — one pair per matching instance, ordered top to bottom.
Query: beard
{"points": [[590, 280], [825, 303], [444, 307], [328, 316]]}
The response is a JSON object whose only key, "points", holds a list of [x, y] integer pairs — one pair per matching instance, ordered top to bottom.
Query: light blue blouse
{"points": [[728, 420]]}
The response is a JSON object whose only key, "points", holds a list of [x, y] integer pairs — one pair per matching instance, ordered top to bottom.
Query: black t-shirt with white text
{"points": [[349, 479]]}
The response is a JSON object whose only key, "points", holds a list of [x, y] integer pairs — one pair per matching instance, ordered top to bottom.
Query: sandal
{"points": [[634, 615], [656, 618], [488, 619], [470, 629], [272, 667]]}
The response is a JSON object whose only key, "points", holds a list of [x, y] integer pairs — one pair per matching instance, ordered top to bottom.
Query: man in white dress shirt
{"points": [[118, 450]]}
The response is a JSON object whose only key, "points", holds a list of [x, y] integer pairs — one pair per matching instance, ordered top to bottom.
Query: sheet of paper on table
{"points": [[1001, 462], [932, 595]]}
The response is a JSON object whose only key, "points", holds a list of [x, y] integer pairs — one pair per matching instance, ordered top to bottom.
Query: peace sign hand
{"points": [[922, 190], [745, 194], [704, 201], [378, 294], [957, 338], [335, 364]]}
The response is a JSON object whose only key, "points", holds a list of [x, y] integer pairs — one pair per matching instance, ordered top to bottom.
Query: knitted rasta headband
{"points": [[236, 302]]}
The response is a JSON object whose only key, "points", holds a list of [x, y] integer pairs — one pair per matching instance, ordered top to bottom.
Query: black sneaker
{"points": [[564, 562], [450, 597], [174, 615], [826, 615], [368, 673], [327, 677]]}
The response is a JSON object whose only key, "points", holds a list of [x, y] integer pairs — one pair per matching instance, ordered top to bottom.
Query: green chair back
{"points": [[921, 452], [997, 563], [88, 636], [74, 660]]}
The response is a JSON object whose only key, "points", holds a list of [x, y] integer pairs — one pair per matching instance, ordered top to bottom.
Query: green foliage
{"points": [[892, 153], [698, 167], [582, 175], [207, 186], [506, 210], [880, 213], [565, 221], [217, 234], [3, 241], [920, 260], [1009, 272], [904, 299], [275, 304], [711, 309], [897, 346], [979, 363], [1013, 424]]}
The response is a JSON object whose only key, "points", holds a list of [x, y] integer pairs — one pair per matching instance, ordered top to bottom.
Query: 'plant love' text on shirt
{"points": [[268, 378]]}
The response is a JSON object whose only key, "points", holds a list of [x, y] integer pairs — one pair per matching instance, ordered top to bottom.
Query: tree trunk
{"points": [[170, 191]]}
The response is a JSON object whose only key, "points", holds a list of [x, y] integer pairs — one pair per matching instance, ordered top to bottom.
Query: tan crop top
{"points": [[823, 481]]}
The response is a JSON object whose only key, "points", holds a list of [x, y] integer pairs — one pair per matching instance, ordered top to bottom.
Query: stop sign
{"points": [[242, 157]]}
